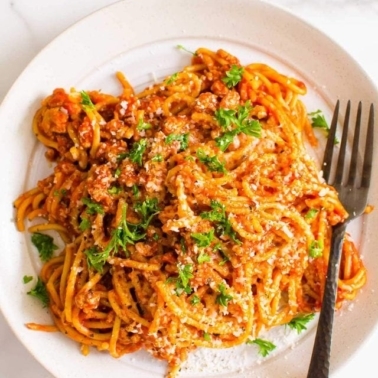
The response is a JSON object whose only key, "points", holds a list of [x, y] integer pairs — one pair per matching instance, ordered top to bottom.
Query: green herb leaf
{"points": [[181, 47], [233, 76], [171, 79], [86, 101], [228, 118], [318, 121], [143, 125], [182, 138], [137, 151], [157, 158], [212, 163], [117, 172], [115, 190], [135, 190], [60, 192], [92, 207], [147, 209], [311, 214], [219, 217], [85, 224], [123, 235], [203, 239], [45, 245], [183, 246], [316, 249], [203, 257], [185, 273], [27, 279], [40, 292], [223, 298], [195, 300], [299, 323], [206, 336], [265, 347]]}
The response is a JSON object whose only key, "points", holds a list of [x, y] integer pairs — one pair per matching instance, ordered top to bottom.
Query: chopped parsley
{"points": [[181, 47], [233, 76], [171, 79], [86, 101], [239, 119], [318, 121], [143, 125], [182, 138], [137, 151], [157, 158], [212, 163], [115, 190], [135, 190], [60, 192], [92, 207], [147, 209], [311, 214], [219, 217], [85, 224], [123, 235], [203, 239], [45, 245], [183, 245], [316, 249], [203, 257], [185, 273], [27, 279], [40, 292], [223, 298], [195, 300], [299, 323], [206, 336], [265, 346]]}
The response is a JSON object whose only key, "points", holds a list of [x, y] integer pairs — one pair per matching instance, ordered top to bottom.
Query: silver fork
{"points": [[353, 192]]}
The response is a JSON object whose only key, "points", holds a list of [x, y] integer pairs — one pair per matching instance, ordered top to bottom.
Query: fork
{"points": [[353, 192]]}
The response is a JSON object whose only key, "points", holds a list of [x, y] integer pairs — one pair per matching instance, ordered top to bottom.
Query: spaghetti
{"points": [[191, 212]]}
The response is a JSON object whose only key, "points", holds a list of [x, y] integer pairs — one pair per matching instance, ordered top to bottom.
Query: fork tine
{"points": [[356, 139], [368, 157], [327, 159], [340, 162]]}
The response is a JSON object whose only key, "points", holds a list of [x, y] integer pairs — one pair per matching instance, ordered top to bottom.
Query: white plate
{"points": [[139, 38]]}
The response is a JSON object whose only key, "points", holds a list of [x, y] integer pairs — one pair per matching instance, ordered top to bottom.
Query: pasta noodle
{"points": [[191, 212]]}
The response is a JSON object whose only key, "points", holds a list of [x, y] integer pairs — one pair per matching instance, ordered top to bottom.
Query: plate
{"points": [[139, 38]]}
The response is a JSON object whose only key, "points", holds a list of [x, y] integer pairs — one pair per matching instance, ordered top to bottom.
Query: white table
{"points": [[26, 26]]}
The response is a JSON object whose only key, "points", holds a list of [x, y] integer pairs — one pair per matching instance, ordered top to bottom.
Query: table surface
{"points": [[27, 26]]}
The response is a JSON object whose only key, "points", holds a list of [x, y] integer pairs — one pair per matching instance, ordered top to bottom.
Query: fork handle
{"points": [[319, 364]]}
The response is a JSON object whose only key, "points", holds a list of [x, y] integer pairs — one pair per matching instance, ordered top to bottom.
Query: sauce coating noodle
{"points": [[191, 213]]}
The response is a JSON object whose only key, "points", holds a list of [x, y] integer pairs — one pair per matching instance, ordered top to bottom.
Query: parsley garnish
{"points": [[181, 47], [233, 76], [171, 79], [86, 101], [238, 119], [318, 121], [143, 125], [182, 138], [137, 151], [157, 158], [212, 163], [117, 172], [115, 190], [135, 190], [60, 192], [92, 207], [147, 209], [311, 213], [218, 216], [85, 224], [124, 234], [203, 239], [45, 245], [183, 245], [316, 249], [203, 257], [225, 257], [185, 273], [27, 279], [40, 292], [223, 298], [195, 300], [299, 323], [206, 336], [265, 347]]}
